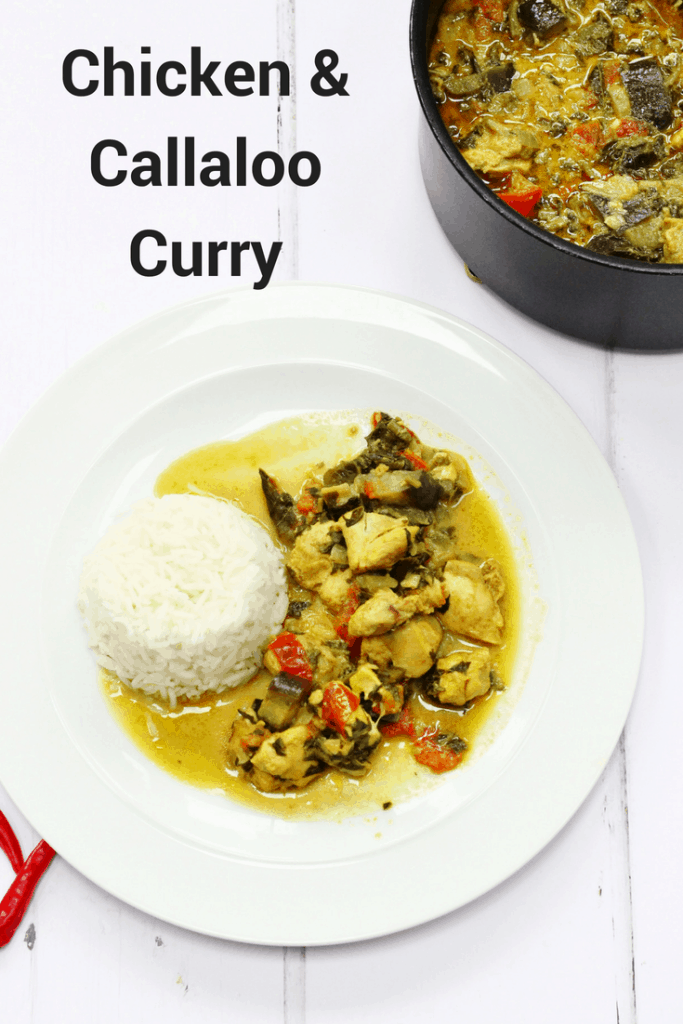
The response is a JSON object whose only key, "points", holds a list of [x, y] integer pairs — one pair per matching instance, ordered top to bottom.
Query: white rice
{"points": [[182, 595]]}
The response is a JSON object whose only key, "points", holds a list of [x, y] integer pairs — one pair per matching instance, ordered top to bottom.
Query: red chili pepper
{"points": [[627, 126], [522, 202], [376, 417], [414, 459], [306, 503], [291, 655], [338, 705], [405, 726], [429, 753], [10, 844], [18, 896]]}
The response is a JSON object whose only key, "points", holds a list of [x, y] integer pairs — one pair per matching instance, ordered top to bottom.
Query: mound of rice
{"points": [[181, 596]]}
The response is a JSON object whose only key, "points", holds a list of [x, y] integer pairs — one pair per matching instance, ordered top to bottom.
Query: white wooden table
{"points": [[590, 931]]}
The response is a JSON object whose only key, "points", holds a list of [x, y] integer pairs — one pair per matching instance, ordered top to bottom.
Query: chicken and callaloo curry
{"points": [[571, 111], [456, 544], [384, 605]]}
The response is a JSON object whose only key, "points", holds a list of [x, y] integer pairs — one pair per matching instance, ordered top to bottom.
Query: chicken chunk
{"points": [[500, 149], [673, 240], [452, 472], [415, 488], [377, 541], [310, 561], [334, 591], [473, 595], [385, 609], [413, 645], [376, 650], [331, 663], [461, 676], [364, 681], [247, 735], [350, 751], [288, 757]]}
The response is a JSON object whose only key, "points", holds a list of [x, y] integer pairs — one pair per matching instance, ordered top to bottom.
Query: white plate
{"points": [[220, 367]]}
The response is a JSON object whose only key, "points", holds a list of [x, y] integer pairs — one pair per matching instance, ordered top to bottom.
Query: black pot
{"points": [[603, 299]]}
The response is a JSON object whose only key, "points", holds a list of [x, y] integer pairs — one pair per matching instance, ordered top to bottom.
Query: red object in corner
{"points": [[29, 872]]}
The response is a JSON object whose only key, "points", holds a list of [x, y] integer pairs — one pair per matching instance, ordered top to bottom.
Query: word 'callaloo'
{"points": [[267, 168]]}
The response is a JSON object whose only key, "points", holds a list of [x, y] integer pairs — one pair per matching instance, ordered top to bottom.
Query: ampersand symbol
{"points": [[325, 83]]}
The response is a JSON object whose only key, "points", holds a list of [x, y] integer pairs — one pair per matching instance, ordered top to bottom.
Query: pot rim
{"points": [[418, 62]]}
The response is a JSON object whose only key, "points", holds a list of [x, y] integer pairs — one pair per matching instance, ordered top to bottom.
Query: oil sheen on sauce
{"points": [[189, 741]]}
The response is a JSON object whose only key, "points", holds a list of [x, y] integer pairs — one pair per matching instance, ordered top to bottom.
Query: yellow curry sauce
{"points": [[190, 740]]}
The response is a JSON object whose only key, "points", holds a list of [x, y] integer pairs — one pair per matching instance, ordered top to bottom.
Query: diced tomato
{"points": [[491, 9], [482, 28], [611, 72], [589, 99], [628, 126], [587, 137], [522, 202], [414, 459], [306, 503], [341, 619], [291, 655], [338, 705], [405, 725], [429, 753]]}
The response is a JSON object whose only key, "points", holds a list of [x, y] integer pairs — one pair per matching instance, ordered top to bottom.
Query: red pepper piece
{"points": [[491, 9], [482, 28], [611, 72], [628, 126], [588, 138], [522, 202], [376, 417], [414, 459], [306, 503], [341, 619], [291, 655], [338, 705], [405, 726], [429, 753], [10, 844], [18, 896]]}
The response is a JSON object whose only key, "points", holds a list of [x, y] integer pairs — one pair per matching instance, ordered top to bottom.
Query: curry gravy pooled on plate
{"points": [[401, 629]]}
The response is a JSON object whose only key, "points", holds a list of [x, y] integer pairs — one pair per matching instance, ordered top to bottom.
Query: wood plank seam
{"points": [[287, 211], [294, 985], [626, 1012]]}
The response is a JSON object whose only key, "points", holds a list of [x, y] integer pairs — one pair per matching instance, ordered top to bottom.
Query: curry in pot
{"points": [[571, 112]]}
